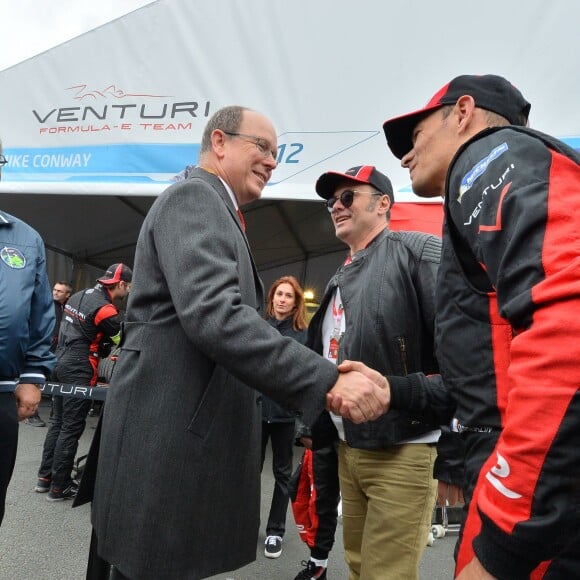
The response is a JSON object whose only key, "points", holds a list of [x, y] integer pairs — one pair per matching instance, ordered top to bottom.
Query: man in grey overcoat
{"points": [[177, 493]]}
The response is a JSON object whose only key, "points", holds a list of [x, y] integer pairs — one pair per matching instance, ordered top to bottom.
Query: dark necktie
{"points": [[241, 216]]}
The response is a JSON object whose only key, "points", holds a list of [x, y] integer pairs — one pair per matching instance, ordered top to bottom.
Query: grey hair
{"points": [[228, 119]]}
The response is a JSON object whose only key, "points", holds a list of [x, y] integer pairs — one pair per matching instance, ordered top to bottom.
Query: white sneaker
{"points": [[273, 547]]}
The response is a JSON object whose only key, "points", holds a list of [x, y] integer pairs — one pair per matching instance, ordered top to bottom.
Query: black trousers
{"points": [[67, 423], [282, 437], [8, 444], [325, 476]]}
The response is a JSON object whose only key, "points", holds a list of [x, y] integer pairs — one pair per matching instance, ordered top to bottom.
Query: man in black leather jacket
{"points": [[379, 309]]}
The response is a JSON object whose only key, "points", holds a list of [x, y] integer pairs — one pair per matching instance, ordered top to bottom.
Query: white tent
{"points": [[95, 128]]}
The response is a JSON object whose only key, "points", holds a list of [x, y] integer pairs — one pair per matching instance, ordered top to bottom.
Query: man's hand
{"points": [[374, 376], [358, 398], [27, 399], [334, 400], [306, 441], [448, 494], [474, 571]]}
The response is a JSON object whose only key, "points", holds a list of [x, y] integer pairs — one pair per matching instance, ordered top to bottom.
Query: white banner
{"points": [[121, 109]]}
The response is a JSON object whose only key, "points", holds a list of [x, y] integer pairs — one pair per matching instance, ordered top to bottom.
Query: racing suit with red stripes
{"points": [[89, 317], [508, 338], [315, 495]]}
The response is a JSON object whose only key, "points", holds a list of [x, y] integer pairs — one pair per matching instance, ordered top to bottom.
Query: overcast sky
{"points": [[29, 27]]}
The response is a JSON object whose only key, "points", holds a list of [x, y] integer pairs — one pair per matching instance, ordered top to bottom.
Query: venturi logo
{"points": [[501, 470]]}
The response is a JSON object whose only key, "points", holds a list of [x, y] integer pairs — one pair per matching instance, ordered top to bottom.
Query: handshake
{"points": [[360, 393]]}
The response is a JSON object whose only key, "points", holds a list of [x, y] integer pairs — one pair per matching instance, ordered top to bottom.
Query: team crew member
{"points": [[508, 298], [89, 316], [315, 496]]}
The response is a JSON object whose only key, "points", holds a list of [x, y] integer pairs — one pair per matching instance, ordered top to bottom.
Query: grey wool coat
{"points": [[177, 490]]}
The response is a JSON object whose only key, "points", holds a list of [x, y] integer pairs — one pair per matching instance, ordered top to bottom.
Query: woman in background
{"points": [[286, 311]]}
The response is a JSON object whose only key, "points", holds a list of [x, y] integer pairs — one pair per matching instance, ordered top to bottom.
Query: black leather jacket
{"points": [[388, 294]]}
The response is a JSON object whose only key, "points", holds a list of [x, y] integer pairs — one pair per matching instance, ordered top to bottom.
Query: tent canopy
{"points": [[287, 237]]}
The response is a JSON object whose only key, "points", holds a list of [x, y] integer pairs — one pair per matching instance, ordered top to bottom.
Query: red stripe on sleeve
{"points": [[107, 311], [543, 374]]}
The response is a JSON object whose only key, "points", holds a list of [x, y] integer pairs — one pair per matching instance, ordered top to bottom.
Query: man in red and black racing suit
{"points": [[89, 316], [508, 321], [509, 351]]}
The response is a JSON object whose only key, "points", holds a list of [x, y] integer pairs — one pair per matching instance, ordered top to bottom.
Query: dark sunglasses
{"points": [[347, 197]]}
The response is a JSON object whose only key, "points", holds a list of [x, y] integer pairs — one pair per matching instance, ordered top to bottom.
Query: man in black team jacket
{"points": [[508, 305], [88, 317]]}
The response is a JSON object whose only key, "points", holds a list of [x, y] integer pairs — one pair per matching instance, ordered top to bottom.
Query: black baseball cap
{"points": [[490, 92], [327, 182], [116, 273]]}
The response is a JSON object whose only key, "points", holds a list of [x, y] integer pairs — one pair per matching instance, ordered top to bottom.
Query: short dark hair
{"points": [[228, 119], [492, 119], [496, 120], [381, 193], [65, 283]]}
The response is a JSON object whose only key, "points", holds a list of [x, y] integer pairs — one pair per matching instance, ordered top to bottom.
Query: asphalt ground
{"points": [[49, 541]]}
